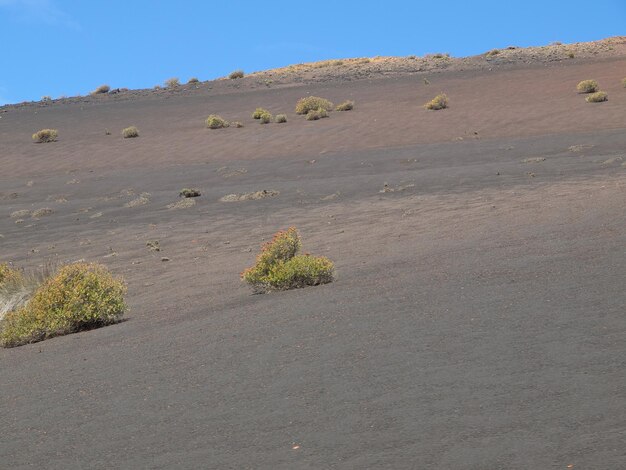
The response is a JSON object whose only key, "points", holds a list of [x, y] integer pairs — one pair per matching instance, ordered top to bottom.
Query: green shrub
{"points": [[236, 74], [192, 80], [172, 82], [587, 86], [101, 89], [597, 97], [438, 102], [312, 103], [345, 106], [257, 113], [315, 114], [265, 118], [281, 118], [216, 122], [130, 132], [45, 135], [189, 192], [280, 267], [78, 297]]}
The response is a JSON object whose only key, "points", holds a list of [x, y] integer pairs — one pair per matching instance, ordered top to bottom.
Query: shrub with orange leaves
{"points": [[280, 267]]}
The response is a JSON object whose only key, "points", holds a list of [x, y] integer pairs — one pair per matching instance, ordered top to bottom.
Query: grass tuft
{"points": [[236, 74], [172, 82], [587, 86], [101, 90], [597, 97], [438, 102], [312, 103], [345, 106], [257, 113], [315, 114], [265, 118], [280, 118], [216, 122], [130, 132], [45, 135], [189, 192]]}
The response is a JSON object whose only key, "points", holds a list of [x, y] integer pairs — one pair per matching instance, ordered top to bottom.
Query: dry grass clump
{"points": [[493, 52], [236, 74], [192, 80], [172, 82], [624, 82], [587, 86], [101, 90], [597, 97], [438, 102], [312, 103], [345, 106], [257, 113], [315, 114], [265, 118], [280, 118], [216, 122], [236, 124], [130, 132], [45, 135], [189, 192], [41, 212], [280, 267], [17, 287], [78, 297]]}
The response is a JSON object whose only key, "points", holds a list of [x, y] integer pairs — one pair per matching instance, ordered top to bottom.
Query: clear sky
{"points": [[69, 47]]}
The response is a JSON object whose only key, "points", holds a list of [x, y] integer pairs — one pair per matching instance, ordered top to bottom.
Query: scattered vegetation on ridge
{"points": [[172, 82], [101, 90]]}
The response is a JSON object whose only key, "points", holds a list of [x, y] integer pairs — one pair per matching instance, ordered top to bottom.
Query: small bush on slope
{"points": [[236, 74], [172, 82], [624, 82], [587, 86], [101, 90], [597, 97], [438, 102], [311, 103], [345, 106], [257, 113], [315, 114], [265, 118], [281, 118], [216, 122], [130, 132], [45, 135], [280, 267], [80, 296]]}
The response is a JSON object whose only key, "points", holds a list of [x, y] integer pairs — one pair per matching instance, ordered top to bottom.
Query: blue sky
{"points": [[69, 47]]}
